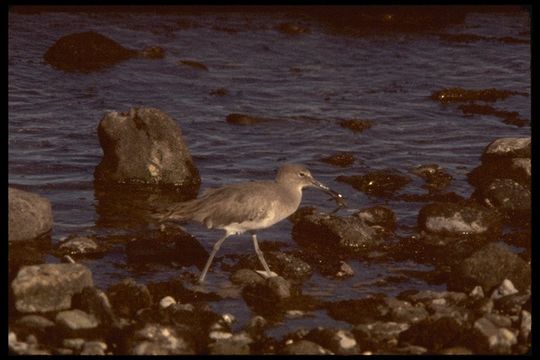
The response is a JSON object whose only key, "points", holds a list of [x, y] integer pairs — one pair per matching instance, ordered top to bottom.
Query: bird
{"points": [[247, 207]]}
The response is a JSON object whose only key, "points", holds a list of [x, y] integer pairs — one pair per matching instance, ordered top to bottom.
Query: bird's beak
{"points": [[337, 196]]}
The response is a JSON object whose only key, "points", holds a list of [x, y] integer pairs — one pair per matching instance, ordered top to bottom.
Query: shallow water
{"points": [[305, 82]]}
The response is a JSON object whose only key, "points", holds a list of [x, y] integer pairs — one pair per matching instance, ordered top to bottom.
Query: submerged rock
{"points": [[86, 51], [194, 64], [451, 95], [509, 117], [243, 119], [356, 125], [145, 146], [342, 159], [436, 179], [377, 183], [30, 215], [80, 246], [49, 287]]}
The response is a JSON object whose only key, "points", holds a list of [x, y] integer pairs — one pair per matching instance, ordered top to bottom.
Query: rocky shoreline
{"points": [[56, 309]]}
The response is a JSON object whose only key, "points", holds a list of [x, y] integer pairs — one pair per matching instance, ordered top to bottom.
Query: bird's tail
{"points": [[180, 212]]}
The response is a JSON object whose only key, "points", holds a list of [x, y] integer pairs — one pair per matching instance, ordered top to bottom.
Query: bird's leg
{"points": [[215, 249], [260, 254]]}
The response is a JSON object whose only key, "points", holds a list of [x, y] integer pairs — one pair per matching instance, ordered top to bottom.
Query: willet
{"points": [[248, 207]]}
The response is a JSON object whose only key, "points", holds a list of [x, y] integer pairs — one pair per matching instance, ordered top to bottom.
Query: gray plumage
{"points": [[247, 206]]}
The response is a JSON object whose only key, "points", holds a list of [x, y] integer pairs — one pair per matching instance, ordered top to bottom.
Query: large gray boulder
{"points": [[144, 146], [30, 215], [49, 287]]}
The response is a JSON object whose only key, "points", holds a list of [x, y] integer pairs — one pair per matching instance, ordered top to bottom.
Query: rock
{"points": [[292, 29], [85, 52], [153, 52], [193, 64], [219, 92], [452, 95], [509, 117], [243, 119], [356, 125], [507, 148], [162, 157], [504, 158], [342, 159], [436, 179], [377, 183], [509, 197], [30, 215], [378, 216], [458, 219], [331, 234], [170, 245], [80, 246], [289, 265], [488, 267], [245, 277], [49, 287], [279, 287], [506, 288], [428, 296], [128, 297], [96, 302], [166, 302], [512, 304], [36, 322], [76, 322], [256, 326], [525, 327], [436, 334], [378, 335], [487, 337], [156, 339], [339, 342], [73, 343], [238, 344], [304, 347], [94, 348], [456, 350]]}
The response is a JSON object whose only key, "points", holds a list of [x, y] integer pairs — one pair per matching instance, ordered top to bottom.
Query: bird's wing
{"points": [[234, 203]]}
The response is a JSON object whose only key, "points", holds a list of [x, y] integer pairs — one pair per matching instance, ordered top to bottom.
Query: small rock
{"points": [[153, 52], [193, 64], [243, 119], [356, 125], [508, 148], [342, 159], [508, 196], [30, 215], [378, 216], [79, 246], [345, 270], [245, 277], [49, 287], [280, 287], [506, 288], [477, 293], [128, 297], [96, 302], [166, 302], [512, 304], [35, 322], [76, 322], [525, 326], [378, 334], [436, 334], [491, 338], [156, 339], [340, 342], [73, 343], [237, 344], [304, 347], [94, 348], [456, 350]]}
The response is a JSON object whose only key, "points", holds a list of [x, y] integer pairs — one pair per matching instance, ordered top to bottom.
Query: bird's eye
{"points": [[302, 174]]}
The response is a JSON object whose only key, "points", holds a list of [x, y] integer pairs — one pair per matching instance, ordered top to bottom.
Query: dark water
{"points": [[305, 82]]}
